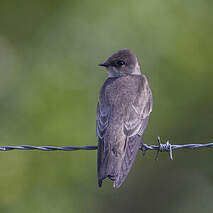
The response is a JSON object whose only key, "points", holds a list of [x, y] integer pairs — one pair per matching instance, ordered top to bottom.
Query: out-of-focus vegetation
{"points": [[49, 84]]}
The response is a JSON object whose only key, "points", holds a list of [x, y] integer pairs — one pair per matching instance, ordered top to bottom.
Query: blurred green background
{"points": [[49, 85]]}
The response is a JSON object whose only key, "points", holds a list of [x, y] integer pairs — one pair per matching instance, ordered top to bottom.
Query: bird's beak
{"points": [[103, 64]]}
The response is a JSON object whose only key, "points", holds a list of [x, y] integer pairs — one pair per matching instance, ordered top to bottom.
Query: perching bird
{"points": [[125, 103]]}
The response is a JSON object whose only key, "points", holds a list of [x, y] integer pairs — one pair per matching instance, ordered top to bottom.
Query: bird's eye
{"points": [[120, 63]]}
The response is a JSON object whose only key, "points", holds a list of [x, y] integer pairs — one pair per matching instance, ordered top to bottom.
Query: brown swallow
{"points": [[125, 103]]}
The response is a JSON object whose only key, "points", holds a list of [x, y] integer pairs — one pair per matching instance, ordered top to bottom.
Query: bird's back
{"points": [[120, 126]]}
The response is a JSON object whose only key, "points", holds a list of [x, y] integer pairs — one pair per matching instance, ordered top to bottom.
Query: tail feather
{"points": [[132, 148], [101, 167], [112, 167]]}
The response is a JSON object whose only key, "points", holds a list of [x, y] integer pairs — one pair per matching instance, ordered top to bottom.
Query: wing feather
{"points": [[139, 110], [101, 120]]}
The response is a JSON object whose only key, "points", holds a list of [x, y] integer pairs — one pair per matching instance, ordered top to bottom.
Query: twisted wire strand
{"points": [[167, 147], [47, 148]]}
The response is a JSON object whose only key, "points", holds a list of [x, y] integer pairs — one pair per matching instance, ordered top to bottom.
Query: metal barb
{"points": [[167, 147]]}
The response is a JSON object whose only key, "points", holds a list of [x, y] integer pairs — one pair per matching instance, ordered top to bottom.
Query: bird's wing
{"points": [[138, 110], [101, 120], [134, 126], [103, 153]]}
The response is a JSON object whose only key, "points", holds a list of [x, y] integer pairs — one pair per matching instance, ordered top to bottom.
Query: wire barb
{"points": [[167, 147]]}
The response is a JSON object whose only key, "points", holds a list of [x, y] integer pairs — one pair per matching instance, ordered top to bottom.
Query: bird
{"points": [[124, 106]]}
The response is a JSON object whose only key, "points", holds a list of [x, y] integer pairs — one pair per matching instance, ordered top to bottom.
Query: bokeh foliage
{"points": [[49, 85]]}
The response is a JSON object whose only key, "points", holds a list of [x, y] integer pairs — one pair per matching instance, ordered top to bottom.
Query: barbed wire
{"points": [[167, 147]]}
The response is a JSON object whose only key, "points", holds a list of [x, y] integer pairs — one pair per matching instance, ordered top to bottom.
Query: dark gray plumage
{"points": [[125, 102]]}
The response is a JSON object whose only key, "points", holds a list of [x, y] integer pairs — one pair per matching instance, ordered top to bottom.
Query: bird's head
{"points": [[123, 62]]}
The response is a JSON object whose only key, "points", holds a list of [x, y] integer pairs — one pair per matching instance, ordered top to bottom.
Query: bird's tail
{"points": [[132, 147], [109, 161], [115, 168]]}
